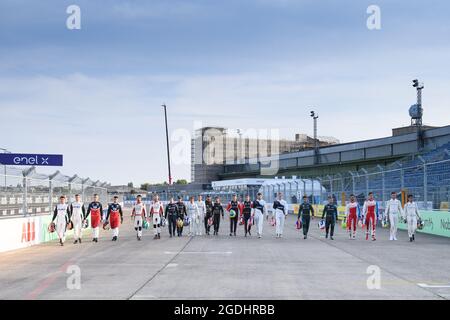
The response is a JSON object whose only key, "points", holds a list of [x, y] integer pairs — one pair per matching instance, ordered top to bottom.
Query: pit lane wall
{"points": [[17, 233]]}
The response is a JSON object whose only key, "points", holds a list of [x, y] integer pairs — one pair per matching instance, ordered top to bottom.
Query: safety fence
{"points": [[426, 177], [428, 182], [26, 192], [165, 196]]}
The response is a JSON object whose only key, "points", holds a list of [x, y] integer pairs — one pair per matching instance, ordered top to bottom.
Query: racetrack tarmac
{"points": [[227, 267]]}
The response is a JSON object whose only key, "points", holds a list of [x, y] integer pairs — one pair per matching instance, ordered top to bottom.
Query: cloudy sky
{"points": [[94, 94]]}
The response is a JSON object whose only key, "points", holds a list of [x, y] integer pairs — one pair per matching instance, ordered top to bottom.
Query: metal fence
{"points": [[427, 178], [428, 182], [26, 192], [225, 197]]}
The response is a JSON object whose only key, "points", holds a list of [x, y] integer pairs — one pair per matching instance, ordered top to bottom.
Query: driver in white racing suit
{"points": [[259, 210], [281, 210], [202, 211], [392, 213], [156, 214], [138, 215], [411, 215], [77, 216], [61, 217], [194, 217]]}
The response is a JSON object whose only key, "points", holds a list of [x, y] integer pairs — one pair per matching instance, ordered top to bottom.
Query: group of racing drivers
{"points": [[198, 215]]}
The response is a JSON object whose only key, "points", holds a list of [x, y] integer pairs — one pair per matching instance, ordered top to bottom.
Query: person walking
{"points": [[259, 210], [281, 210], [217, 211], [393, 212], [305, 213], [330, 214], [171, 215], [411, 215]]}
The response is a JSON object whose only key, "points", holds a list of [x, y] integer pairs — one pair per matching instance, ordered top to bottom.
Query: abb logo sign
{"points": [[28, 231]]}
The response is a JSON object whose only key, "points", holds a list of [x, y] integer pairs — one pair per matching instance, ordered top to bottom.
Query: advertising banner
{"points": [[27, 159], [435, 222], [16, 233]]}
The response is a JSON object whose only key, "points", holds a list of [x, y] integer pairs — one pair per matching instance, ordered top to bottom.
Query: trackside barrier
{"points": [[435, 222], [23, 232]]}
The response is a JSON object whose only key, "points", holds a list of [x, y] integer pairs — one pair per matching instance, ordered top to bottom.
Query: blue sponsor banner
{"points": [[27, 159]]}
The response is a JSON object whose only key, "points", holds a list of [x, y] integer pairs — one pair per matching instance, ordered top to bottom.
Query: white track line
{"points": [[199, 252], [424, 285]]}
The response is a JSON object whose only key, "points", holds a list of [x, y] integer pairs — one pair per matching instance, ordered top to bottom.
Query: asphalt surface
{"points": [[227, 267]]}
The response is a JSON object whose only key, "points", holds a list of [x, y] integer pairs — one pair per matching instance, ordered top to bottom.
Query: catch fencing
{"points": [[426, 177], [428, 182], [26, 192]]}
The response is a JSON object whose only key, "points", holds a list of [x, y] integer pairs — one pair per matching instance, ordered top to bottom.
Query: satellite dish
{"points": [[415, 111]]}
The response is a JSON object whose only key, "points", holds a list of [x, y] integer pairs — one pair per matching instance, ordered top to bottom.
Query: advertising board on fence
{"points": [[435, 222], [16, 233]]}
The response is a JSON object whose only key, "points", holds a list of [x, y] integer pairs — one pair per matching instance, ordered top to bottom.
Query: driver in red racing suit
{"points": [[95, 209], [115, 217]]}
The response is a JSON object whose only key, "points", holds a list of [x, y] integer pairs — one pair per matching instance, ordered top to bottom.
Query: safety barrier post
{"points": [[366, 173], [26, 174], [353, 182], [382, 182], [425, 182], [331, 184], [320, 189]]}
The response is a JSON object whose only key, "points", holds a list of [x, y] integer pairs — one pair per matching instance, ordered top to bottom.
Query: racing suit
{"points": [[234, 205], [95, 209], [259, 209], [217, 210], [281, 211], [305, 211], [393, 211], [156, 213], [201, 213], [247, 213], [370, 213], [77, 214], [139, 214], [331, 214], [353, 214], [411, 214], [171, 215], [181, 215], [208, 215], [61, 217], [115, 217], [194, 218]]}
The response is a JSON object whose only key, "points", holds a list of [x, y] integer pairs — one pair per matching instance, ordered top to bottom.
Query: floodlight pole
{"points": [[417, 120], [167, 142], [316, 142], [4, 166]]}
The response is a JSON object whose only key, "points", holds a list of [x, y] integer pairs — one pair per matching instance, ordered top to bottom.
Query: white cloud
{"points": [[111, 127]]}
